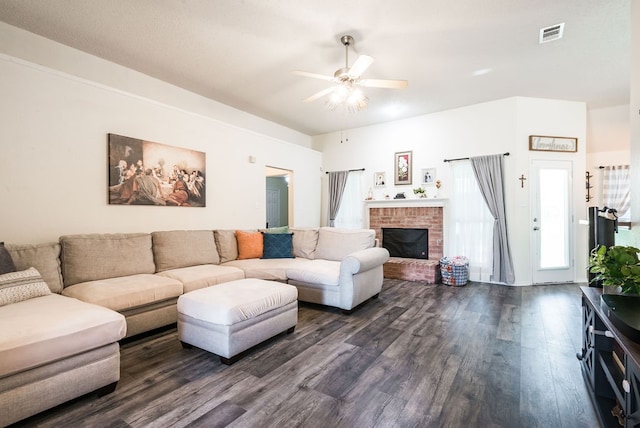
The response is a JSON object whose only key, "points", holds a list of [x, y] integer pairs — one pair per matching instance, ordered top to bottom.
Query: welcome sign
{"points": [[553, 144]]}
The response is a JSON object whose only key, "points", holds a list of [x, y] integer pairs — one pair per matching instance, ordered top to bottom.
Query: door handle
{"points": [[536, 228]]}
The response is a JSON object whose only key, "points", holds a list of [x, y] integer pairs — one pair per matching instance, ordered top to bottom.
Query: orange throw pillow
{"points": [[250, 245]]}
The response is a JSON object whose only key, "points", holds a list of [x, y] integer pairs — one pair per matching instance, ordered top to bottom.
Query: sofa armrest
{"points": [[363, 260], [361, 276]]}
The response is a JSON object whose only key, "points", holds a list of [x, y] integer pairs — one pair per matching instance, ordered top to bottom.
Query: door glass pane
{"points": [[554, 227]]}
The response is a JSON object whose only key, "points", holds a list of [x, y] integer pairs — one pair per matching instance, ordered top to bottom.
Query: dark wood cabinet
{"points": [[610, 364]]}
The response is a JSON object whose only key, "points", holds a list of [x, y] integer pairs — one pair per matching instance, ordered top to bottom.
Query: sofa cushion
{"points": [[305, 240], [226, 244], [250, 244], [336, 244], [277, 246], [182, 248], [99, 256], [44, 257], [6, 262], [270, 269], [325, 272], [195, 277], [22, 285], [126, 292], [49, 328]]}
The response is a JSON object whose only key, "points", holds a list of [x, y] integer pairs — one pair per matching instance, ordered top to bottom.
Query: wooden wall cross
{"points": [[522, 178]]}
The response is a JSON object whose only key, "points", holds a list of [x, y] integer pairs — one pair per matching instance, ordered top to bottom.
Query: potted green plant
{"points": [[420, 192], [618, 267]]}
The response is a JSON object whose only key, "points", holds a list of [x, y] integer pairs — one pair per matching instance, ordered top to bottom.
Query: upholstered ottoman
{"points": [[229, 318]]}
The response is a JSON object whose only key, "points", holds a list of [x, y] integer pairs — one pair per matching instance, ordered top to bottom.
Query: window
{"points": [[616, 190], [471, 232]]}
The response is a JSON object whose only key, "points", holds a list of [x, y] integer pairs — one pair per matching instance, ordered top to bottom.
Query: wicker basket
{"points": [[454, 270]]}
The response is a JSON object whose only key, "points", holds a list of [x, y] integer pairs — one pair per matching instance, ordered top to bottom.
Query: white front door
{"points": [[552, 222]]}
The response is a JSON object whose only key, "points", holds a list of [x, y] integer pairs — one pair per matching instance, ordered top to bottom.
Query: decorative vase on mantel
{"points": [[438, 184]]}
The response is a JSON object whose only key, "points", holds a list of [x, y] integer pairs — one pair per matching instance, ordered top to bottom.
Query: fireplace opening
{"points": [[407, 243]]}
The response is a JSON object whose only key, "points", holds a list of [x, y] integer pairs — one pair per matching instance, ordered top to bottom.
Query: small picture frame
{"points": [[553, 144], [403, 169], [428, 175], [379, 179]]}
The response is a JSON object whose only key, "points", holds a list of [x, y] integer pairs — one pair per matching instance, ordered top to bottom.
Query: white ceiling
{"points": [[242, 52]]}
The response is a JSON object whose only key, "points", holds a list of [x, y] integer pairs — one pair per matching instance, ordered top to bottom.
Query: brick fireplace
{"points": [[411, 213]]}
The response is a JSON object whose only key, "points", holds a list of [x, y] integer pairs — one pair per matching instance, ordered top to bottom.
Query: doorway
{"points": [[279, 197], [552, 225]]}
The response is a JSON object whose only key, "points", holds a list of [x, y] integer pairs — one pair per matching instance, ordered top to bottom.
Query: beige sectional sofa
{"points": [[142, 275], [109, 286], [53, 348]]}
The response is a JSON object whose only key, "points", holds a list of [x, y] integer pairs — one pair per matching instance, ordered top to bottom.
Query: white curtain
{"points": [[616, 189], [350, 213], [471, 231]]}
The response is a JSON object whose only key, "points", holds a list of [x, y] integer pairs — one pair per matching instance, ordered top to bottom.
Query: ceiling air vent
{"points": [[551, 33]]}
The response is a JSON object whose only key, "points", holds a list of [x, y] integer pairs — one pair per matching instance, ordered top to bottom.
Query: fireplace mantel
{"points": [[412, 202]]}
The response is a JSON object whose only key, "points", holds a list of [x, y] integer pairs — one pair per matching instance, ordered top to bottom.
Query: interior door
{"points": [[273, 208], [552, 222]]}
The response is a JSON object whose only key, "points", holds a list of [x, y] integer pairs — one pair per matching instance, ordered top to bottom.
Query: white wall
{"points": [[634, 114], [489, 128], [608, 129], [608, 137], [53, 152]]}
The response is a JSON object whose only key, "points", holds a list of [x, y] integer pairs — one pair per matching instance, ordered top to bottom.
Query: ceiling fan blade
{"points": [[360, 66], [313, 75], [380, 83], [317, 95]]}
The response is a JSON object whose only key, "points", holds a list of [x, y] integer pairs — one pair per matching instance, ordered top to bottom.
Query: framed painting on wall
{"points": [[403, 169], [147, 173]]}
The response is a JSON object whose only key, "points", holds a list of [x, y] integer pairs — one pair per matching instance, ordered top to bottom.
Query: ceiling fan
{"points": [[348, 80]]}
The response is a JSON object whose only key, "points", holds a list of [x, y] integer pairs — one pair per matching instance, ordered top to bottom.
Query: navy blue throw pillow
{"points": [[277, 246], [6, 262]]}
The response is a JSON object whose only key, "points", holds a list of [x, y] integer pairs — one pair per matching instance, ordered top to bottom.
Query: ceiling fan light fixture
{"points": [[346, 92], [356, 97], [350, 98]]}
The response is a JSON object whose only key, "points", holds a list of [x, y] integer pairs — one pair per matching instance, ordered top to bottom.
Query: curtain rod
{"points": [[459, 159], [351, 170]]}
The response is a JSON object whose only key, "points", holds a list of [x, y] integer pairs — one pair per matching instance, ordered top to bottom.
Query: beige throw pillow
{"points": [[305, 240], [227, 245], [22, 285]]}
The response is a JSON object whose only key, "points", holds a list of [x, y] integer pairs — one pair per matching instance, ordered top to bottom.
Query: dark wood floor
{"points": [[419, 356]]}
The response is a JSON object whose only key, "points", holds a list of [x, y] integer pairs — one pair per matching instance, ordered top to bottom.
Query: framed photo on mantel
{"points": [[553, 144]]}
